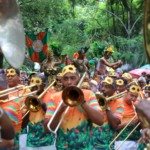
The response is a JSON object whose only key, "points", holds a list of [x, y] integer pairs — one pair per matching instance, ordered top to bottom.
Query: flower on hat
{"points": [[68, 69], [11, 72], [108, 80], [120, 82], [134, 89]]}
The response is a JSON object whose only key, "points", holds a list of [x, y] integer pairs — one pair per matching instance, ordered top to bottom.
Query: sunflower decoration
{"points": [[68, 69], [11, 72], [112, 74], [127, 76], [108, 80], [36, 81], [119, 82], [134, 89]]}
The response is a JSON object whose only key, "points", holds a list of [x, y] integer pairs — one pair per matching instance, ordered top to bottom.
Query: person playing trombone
{"points": [[129, 100], [113, 113], [77, 123]]}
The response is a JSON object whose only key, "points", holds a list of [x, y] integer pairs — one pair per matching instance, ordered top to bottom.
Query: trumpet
{"points": [[72, 96], [103, 100], [33, 103]]}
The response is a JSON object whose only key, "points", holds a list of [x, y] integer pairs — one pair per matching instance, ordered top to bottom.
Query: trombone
{"points": [[15, 89], [72, 96], [103, 100], [33, 103], [123, 131]]}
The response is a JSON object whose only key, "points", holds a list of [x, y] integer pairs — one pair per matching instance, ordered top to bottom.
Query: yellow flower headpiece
{"points": [[50, 53], [69, 69], [11, 72], [112, 74], [59, 75], [127, 76], [36, 80], [108, 80], [119, 82], [85, 84], [147, 87], [134, 89]]}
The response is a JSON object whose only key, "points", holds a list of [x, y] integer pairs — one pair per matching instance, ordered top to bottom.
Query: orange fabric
{"points": [[19, 93], [47, 95], [117, 109], [13, 111], [129, 111], [75, 115]]}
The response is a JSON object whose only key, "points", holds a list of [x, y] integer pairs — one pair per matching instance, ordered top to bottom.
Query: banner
{"points": [[38, 46]]}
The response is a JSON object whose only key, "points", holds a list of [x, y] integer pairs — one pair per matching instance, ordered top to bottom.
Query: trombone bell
{"points": [[72, 96], [33, 103]]}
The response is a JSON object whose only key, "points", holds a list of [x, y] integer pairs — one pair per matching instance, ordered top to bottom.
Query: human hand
{"points": [[145, 136]]}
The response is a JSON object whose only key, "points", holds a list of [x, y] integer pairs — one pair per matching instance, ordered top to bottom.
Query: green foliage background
{"points": [[89, 23]]}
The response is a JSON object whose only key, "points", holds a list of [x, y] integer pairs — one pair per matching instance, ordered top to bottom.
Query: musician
{"points": [[103, 62], [81, 63], [127, 76], [12, 78], [142, 82], [121, 84], [59, 85], [147, 91], [129, 99], [14, 113], [113, 114], [34, 122], [74, 130], [6, 131]]}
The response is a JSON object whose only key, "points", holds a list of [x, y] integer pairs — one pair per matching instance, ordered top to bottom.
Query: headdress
{"points": [[109, 49], [50, 52], [69, 69], [11, 72], [112, 74], [59, 75], [127, 76], [108, 80], [36, 81], [119, 82], [85, 84], [134, 88], [147, 88]]}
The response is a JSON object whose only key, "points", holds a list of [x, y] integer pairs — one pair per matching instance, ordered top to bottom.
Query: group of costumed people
{"points": [[91, 125]]}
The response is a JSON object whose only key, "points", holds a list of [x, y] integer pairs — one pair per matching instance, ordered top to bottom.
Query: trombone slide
{"points": [[52, 118]]}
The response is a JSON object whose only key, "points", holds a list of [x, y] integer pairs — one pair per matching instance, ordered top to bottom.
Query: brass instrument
{"points": [[11, 26], [13, 90], [72, 96], [103, 100], [33, 103]]}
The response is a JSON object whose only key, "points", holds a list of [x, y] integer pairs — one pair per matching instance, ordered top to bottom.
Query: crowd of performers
{"points": [[92, 125]]}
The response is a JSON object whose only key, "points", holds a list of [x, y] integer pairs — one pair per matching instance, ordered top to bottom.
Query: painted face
{"points": [[70, 79]]}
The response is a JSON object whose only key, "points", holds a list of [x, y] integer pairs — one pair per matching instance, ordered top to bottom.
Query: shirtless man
{"points": [[101, 68]]}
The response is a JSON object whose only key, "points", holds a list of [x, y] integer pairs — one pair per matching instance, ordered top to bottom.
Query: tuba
{"points": [[12, 39]]}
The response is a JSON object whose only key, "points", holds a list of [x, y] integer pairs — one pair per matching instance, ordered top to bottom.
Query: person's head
{"points": [[108, 52], [81, 54], [50, 55], [112, 74], [144, 74], [12, 76], [70, 76], [127, 76], [59, 78], [38, 79], [86, 79], [141, 81], [121, 84], [85, 85], [93, 86], [108, 86], [147, 91], [132, 93]]}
